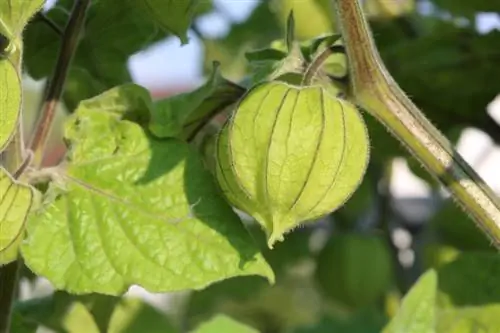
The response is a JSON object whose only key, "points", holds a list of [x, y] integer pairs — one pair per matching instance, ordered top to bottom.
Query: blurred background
{"points": [[444, 53]]}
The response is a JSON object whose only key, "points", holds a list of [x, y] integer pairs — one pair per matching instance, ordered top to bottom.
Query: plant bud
{"points": [[291, 154]]}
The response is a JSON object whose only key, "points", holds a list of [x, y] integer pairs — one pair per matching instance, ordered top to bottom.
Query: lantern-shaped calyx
{"points": [[291, 154]]}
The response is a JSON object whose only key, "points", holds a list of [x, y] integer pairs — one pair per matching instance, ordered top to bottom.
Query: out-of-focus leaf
{"points": [[468, 8], [382, 9], [303, 12], [173, 16], [257, 31], [113, 32], [180, 115], [127, 207], [454, 227], [437, 254], [354, 269], [469, 295], [205, 303], [418, 311], [81, 314], [362, 322], [223, 324], [18, 325]]}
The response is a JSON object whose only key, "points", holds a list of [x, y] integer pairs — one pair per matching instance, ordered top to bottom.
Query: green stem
{"points": [[70, 39], [317, 63], [374, 89]]}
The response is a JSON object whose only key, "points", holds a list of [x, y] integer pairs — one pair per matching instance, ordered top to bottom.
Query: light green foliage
{"points": [[10, 101], [181, 115], [291, 154], [15, 203], [129, 209], [354, 270], [418, 311], [223, 324]]}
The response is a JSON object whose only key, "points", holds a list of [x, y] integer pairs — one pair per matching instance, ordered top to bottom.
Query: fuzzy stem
{"points": [[70, 39], [374, 89]]}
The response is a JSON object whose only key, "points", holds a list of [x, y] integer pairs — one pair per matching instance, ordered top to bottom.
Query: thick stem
{"points": [[69, 44], [374, 89]]}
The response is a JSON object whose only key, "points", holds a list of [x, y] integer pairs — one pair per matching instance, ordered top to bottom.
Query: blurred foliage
{"points": [[327, 281]]}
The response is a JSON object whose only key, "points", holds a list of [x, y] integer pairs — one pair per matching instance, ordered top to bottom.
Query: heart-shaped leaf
{"points": [[15, 203], [130, 209]]}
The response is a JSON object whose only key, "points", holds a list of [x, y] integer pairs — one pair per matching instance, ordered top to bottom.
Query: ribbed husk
{"points": [[291, 154]]}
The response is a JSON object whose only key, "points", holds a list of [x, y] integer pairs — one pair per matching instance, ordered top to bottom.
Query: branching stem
{"points": [[70, 38], [374, 89]]}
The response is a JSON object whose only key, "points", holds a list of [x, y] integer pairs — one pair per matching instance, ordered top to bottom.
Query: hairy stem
{"points": [[70, 38], [318, 62], [374, 89]]}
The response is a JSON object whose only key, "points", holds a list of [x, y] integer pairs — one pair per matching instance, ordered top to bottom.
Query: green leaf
{"points": [[468, 8], [14, 15], [173, 16], [312, 17], [257, 31], [101, 59], [10, 101], [180, 115], [15, 203], [129, 209], [454, 227], [346, 277], [469, 294], [203, 304], [418, 311], [78, 314], [135, 316], [362, 322], [224, 324], [19, 325]]}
